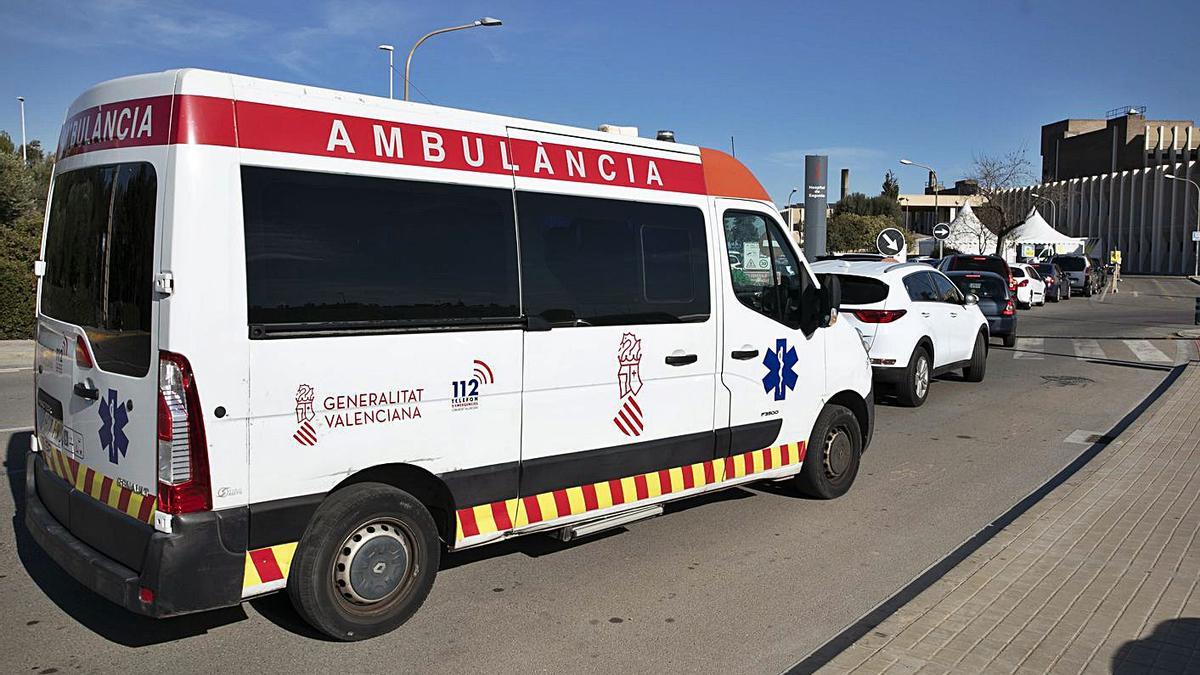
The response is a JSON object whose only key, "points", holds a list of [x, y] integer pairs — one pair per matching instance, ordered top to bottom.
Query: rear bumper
{"points": [[999, 326], [889, 374], [199, 566]]}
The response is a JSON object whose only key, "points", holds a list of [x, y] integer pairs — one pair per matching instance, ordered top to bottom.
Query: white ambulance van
{"points": [[309, 339]]}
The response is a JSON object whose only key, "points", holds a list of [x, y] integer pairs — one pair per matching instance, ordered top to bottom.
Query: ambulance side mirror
{"points": [[830, 299]]}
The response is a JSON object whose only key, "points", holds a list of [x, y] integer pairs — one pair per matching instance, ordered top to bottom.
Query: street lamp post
{"points": [[485, 21], [391, 67], [24, 150], [933, 172], [788, 206], [1053, 208], [1196, 236]]}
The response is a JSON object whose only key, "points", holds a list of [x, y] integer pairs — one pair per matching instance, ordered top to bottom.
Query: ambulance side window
{"points": [[341, 253], [602, 262], [766, 276]]}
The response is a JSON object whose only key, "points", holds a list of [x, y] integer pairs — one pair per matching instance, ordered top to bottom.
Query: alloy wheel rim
{"points": [[922, 383]]}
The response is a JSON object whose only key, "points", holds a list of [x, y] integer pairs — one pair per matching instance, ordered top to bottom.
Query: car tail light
{"points": [[1049, 281], [1023, 284], [1009, 308], [878, 315], [83, 357], [183, 480]]}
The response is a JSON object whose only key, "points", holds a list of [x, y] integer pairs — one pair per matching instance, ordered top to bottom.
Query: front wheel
{"points": [[978, 367], [832, 457], [366, 562]]}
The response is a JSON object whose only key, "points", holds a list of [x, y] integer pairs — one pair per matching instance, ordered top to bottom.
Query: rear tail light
{"points": [[1023, 284], [1009, 308], [878, 315], [83, 356], [183, 480]]}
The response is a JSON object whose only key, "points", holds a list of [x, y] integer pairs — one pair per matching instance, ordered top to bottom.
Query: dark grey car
{"points": [[995, 302]]}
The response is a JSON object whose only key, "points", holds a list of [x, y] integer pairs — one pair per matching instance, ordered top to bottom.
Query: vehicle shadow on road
{"points": [[277, 609], [98, 615], [1167, 649]]}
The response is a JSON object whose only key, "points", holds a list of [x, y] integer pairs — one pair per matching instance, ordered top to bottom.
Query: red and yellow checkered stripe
{"points": [[100, 487], [512, 513], [267, 569]]}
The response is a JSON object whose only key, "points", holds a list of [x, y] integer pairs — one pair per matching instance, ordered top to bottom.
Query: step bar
{"points": [[593, 526]]}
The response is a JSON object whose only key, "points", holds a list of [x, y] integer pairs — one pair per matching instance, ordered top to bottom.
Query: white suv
{"points": [[914, 322]]}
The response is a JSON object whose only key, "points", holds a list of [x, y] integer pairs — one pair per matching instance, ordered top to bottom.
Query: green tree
{"points": [[891, 187], [23, 190], [859, 204], [851, 232]]}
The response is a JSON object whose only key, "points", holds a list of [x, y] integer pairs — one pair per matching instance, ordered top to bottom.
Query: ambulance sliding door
{"points": [[620, 350]]}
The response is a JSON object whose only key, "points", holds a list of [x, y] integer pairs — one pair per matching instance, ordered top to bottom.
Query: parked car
{"points": [[924, 259], [978, 263], [1084, 276], [1058, 283], [1029, 287], [995, 301], [914, 322]]}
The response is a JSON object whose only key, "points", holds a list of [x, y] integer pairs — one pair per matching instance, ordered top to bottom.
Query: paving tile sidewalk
{"points": [[1100, 575]]}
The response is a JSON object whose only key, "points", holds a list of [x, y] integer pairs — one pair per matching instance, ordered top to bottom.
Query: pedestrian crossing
{"points": [[1149, 351]]}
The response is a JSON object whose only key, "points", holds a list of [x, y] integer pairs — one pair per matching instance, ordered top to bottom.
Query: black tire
{"points": [[1087, 291], [1010, 340], [978, 367], [909, 390], [834, 451], [392, 526]]}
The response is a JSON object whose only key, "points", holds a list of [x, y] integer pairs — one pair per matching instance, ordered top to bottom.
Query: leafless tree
{"points": [[1003, 209]]}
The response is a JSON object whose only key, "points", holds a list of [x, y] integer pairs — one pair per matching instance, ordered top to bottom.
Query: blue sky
{"points": [[864, 82]]}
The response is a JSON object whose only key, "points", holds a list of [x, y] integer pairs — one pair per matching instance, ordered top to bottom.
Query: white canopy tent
{"points": [[969, 235], [1034, 238]]}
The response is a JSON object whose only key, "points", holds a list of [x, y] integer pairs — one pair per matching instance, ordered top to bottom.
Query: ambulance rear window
{"points": [[331, 252], [100, 259]]}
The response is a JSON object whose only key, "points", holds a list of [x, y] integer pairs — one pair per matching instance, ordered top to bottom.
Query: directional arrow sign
{"points": [[941, 231], [890, 241]]}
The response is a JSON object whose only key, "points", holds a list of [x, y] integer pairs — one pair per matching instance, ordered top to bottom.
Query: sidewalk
{"points": [[1101, 575]]}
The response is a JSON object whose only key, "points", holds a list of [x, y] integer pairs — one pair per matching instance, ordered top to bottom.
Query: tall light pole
{"points": [[485, 21], [391, 67], [24, 150], [932, 172], [788, 206], [1053, 208], [1197, 235]]}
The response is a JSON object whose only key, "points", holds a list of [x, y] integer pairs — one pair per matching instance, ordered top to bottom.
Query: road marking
{"points": [[1030, 348], [1088, 349], [1146, 351], [15, 370], [15, 430]]}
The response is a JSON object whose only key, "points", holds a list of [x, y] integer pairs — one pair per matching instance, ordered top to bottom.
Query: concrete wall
{"points": [[1147, 217]]}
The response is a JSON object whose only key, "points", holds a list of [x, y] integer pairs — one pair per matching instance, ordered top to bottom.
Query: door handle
{"points": [[925, 314], [953, 314], [744, 354], [682, 360], [87, 390]]}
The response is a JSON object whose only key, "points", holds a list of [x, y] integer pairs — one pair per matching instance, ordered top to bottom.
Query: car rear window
{"points": [[100, 259], [979, 263], [1070, 263], [1046, 270], [1017, 272], [984, 288], [858, 290]]}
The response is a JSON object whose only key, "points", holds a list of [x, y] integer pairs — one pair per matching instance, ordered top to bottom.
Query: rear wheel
{"points": [[1010, 340], [978, 367], [914, 388], [832, 458], [366, 562]]}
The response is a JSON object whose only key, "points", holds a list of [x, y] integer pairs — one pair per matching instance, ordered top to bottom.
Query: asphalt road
{"points": [[750, 579]]}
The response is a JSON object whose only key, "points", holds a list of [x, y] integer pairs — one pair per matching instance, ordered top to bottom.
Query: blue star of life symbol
{"points": [[781, 369], [113, 418]]}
